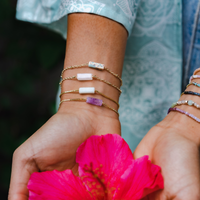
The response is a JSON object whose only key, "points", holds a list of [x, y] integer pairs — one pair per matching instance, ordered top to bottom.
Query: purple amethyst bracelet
{"points": [[90, 100], [94, 101], [184, 112]]}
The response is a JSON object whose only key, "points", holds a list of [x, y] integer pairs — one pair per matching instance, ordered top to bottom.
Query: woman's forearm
{"points": [[98, 39]]}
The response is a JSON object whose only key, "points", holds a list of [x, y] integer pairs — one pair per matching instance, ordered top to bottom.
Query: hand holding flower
{"points": [[54, 146], [107, 172]]}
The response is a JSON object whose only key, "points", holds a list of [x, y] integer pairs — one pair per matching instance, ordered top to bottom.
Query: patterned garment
{"points": [[191, 38], [153, 61]]}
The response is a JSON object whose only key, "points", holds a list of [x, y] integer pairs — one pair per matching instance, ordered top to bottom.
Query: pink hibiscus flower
{"points": [[107, 171]]}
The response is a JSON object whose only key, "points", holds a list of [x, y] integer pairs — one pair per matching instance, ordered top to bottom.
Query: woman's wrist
{"points": [[97, 39], [105, 87], [91, 117], [186, 125]]}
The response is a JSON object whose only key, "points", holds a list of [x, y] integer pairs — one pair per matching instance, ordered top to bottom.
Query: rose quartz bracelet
{"points": [[193, 77], [184, 112]]}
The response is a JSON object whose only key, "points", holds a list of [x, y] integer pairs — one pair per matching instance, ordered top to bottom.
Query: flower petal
{"points": [[103, 159], [140, 179], [54, 185]]}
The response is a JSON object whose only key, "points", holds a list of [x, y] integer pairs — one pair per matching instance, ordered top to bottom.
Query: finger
{"points": [[147, 144], [144, 148], [22, 168]]}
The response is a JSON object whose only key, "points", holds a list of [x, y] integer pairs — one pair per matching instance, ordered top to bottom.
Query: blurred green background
{"points": [[31, 60]]}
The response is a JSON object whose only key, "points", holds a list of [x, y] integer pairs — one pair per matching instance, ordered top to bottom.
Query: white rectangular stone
{"points": [[84, 77], [86, 90]]}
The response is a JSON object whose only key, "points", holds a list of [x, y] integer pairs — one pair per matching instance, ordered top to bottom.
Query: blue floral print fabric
{"points": [[152, 68]]}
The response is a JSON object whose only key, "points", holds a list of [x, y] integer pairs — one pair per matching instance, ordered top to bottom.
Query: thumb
{"points": [[22, 168]]}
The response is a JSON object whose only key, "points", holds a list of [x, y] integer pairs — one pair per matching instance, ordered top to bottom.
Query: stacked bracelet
{"points": [[93, 65], [88, 77], [193, 77], [193, 83], [88, 90], [191, 92], [90, 100], [186, 102], [184, 112]]}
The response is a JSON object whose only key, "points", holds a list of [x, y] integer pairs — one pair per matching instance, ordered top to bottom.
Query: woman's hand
{"points": [[89, 38], [174, 144], [54, 145]]}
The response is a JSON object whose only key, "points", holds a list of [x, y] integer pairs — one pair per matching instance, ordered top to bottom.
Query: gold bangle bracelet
{"points": [[93, 65], [196, 71], [95, 77], [96, 91], [86, 100]]}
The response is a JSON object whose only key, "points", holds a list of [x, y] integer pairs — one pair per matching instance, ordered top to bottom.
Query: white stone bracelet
{"points": [[93, 65], [88, 77], [88, 90], [187, 102]]}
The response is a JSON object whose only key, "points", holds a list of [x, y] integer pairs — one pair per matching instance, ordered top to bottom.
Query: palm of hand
{"points": [[61, 137], [54, 146], [179, 160]]}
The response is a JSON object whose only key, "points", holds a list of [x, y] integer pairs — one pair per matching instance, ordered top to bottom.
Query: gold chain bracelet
{"points": [[93, 65], [93, 76], [95, 91], [90, 100]]}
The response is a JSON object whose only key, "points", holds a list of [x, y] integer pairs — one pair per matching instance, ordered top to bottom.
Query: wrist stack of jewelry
{"points": [[90, 90], [188, 102]]}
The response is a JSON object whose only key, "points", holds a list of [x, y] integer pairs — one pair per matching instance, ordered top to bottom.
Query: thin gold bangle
{"points": [[99, 68], [196, 71], [95, 77], [96, 91], [81, 99]]}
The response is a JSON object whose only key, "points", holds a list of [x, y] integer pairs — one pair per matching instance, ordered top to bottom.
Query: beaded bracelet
{"points": [[93, 65], [87, 77], [193, 77], [193, 83], [88, 90], [191, 92], [90, 100], [188, 102], [184, 112]]}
